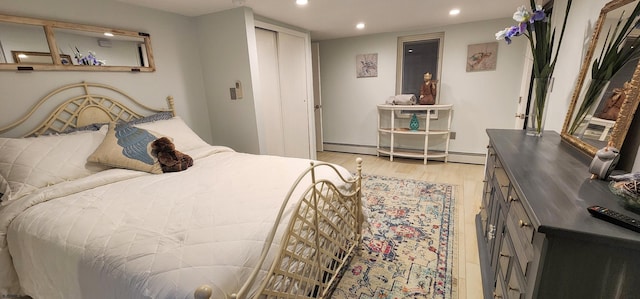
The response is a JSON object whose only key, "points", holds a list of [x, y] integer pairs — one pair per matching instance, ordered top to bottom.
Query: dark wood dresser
{"points": [[535, 236]]}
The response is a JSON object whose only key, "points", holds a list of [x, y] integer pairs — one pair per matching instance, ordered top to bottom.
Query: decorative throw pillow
{"points": [[127, 147]]}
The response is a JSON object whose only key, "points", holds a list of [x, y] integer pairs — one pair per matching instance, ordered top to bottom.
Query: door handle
{"points": [[316, 107]]}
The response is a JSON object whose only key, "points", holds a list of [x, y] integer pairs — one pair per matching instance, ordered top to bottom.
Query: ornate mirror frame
{"points": [[53, 30], [630, 104]]}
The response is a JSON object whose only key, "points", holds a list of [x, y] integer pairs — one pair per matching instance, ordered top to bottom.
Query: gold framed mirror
{"points": [[35, 44], [604, 101]]}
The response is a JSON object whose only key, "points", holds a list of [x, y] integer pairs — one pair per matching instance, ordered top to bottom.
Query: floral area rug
{"points": [[408, 250]]}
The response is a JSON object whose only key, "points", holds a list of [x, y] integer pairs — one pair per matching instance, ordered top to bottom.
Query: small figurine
{"points": [[428, 91], [612, 106], [604, 162]]}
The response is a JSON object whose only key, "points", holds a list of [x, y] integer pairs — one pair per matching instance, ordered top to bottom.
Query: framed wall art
{"points": [[482, 57], [367, 65]]}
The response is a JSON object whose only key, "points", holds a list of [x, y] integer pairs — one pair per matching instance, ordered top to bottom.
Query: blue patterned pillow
{"points": [[151, 118], [91, 127], [127, 147]]}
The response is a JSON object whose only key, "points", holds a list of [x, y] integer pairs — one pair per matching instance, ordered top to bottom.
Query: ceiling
{"points": [[330, 19]]}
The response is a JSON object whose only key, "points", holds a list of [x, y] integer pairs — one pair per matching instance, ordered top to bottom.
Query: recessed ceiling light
{"points": [[302, 2], [454, 12], [360, 26], [108, 34]]}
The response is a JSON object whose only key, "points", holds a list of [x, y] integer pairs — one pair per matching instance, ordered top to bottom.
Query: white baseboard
{"points": [[467, 158]]}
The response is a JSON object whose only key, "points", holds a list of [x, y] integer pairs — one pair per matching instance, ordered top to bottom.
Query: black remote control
{"points": [[615, 218]]}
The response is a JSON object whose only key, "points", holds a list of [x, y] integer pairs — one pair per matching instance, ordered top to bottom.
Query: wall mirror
{"points": [[35, 44], [418, 54], [25, 57], [601, 110]]}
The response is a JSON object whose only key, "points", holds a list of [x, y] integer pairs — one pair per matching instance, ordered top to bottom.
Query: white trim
{"points": [[467, 158]]}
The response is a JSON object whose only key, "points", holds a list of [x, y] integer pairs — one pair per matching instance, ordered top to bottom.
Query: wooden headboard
{"points": [[92, 103]]}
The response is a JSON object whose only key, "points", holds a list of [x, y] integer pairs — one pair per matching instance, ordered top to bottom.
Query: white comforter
{"points": [[129, 234]]}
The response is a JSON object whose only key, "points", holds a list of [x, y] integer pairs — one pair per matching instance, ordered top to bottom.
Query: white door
{"points": [[524, 90], [285, 92], [294, 94], [317, 100], [270, 106]]}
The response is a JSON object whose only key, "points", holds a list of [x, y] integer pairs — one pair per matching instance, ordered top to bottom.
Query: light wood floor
{"points": [[468, 179]]}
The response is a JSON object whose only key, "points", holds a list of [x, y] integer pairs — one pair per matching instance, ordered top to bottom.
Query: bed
{"points": [[79, 220]]}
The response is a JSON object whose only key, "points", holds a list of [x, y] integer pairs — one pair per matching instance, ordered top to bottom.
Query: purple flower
{"points": [[538, 15], [522, 28], [508, 33]]}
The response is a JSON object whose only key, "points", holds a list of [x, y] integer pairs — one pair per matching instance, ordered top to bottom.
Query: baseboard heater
{"points": [[456, 157]]}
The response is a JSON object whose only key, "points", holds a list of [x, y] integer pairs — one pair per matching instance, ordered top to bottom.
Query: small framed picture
{"points": [[482, 57], [65, 59], [367, 65]]}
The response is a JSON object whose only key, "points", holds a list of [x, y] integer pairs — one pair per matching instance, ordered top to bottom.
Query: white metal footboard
{"points": [[323, 234]]}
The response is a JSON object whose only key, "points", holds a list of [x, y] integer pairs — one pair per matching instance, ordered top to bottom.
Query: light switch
{"points": [[232, 91]]}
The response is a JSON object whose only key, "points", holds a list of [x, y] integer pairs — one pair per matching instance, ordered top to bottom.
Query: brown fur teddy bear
{"points": [[170, 159]]}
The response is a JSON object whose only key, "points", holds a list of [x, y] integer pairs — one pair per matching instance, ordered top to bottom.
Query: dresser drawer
{"points": [[491, 162], [500, 176], [513, 196], [485, 205], [521, 231], [506, 254], [516, 285], [499, 292]]}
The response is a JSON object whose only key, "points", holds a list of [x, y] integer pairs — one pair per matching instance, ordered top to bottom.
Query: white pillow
{"points": [[183, 137], [31, 163]]}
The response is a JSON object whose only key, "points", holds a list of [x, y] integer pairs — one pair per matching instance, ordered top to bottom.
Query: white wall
{"points": [[224, 38], [183, 45], [175, 49], [481, 99]]}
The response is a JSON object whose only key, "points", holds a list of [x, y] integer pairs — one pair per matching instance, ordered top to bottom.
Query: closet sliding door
{"points": [[285, 93], [269, 106]]}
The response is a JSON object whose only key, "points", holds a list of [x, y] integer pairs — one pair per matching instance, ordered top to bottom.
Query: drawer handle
{"points": [[504, 186], [512, 199], [523, 224], [504, 255], [514, 289], [495, 295]]}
